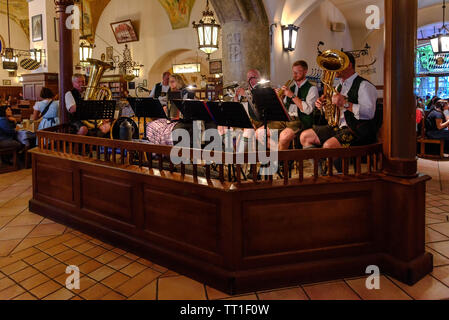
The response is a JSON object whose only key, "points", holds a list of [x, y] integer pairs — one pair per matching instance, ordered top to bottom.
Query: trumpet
{"points": [[281, 92]]}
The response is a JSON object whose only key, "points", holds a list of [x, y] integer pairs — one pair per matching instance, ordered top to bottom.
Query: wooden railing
{"points": [[355, 161]]}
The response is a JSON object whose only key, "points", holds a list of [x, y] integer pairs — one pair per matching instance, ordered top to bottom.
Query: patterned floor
{"points": [[34, 254]]}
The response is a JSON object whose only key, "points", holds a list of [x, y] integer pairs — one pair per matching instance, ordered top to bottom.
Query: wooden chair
{"points": [[423, 141], [15, 165]]}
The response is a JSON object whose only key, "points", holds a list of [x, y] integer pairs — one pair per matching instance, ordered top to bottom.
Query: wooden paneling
{"points": [[55, 183], [107, 196], [194, 222], [286, 225]]}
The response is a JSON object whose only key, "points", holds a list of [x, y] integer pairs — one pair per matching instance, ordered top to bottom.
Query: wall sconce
{"points": [[289, 37], [136, 72]]}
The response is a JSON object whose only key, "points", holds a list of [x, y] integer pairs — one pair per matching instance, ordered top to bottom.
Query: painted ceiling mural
{"points": [[18, 10], [178, 12]]}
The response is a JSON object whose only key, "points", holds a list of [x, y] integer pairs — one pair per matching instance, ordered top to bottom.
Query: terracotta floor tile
{"points": [[11, 211], [5, 220], [28, 220], [47, 221], [442, 228], [44, 230], [14, 233], [434, 236], [54, 242], [74, 242], [28, 243], [8, 246], [84, 247], [440, 247], [56, 249], [119, 251], [95, 252], [25, 253], [66, 255], [131, 256], [107, 257], [36, 258], [438, 259], [77, 260], [145, 262], [120, 263], [46, 264], [89, 266], [13, 268], [159, 268], [133, 269], [55, 270], [101, 273], [169, 273], [24, 274], [442, 274], [115, 280], [34, 281], [5, 283], [85, 284], [133, 285], [180, 288], [45, 289], [427, 289], [388, 290], [330, 291], [11, 292], [96, 292], [146, 293], [61, 294], [214, 294], [286, 294], [113, 296], [25, 297], [249, 297], [77, 298]]}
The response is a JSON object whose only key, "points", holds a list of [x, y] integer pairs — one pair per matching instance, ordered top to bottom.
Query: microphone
{"points": [[144, 89]]}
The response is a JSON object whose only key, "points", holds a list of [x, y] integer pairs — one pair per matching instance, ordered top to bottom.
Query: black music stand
{"points": [[269, 106], [147, 108], [96, 110], [194, 110], [230, 114]]}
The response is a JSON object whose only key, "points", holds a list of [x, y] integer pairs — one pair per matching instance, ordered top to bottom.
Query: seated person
{"points": [[357, 101], [47, 109], [436, 123], [7, 132], [159, 132]]}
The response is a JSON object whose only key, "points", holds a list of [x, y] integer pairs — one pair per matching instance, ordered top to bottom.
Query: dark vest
{"points": [[158, 90], [303, 92], [77, 96], [366, 130]]}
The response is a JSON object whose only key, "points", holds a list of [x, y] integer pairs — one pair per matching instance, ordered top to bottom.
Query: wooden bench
{"points": [[423, 141], [15, 165]]}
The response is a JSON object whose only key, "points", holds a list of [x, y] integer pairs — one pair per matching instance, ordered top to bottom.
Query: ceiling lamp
{"points": [[208, 31], [289, 37], [440, 42], [86, 47], [9, 59], [128, 68]]}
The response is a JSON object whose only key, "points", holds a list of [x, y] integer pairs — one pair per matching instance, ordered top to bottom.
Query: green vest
{"points": [[303, 92]]}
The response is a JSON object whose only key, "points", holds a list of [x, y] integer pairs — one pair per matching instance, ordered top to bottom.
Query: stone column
{"points": [[245, 38], [65, 55], [399, 107]]}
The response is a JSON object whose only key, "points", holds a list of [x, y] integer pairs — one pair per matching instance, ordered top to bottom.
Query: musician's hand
{"points": [[240, 92], [287, 92], [339, 100], [319, 103]]}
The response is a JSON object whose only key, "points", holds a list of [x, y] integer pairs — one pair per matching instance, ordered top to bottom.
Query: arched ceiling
{"points": [[18, 12]]}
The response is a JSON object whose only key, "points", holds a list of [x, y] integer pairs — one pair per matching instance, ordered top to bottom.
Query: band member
{"points": [[161, 89], [72, 99], [357, 100]]}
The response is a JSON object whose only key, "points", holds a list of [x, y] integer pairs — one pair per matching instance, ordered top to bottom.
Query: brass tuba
{"points": [[332, 62], [93, 89]]}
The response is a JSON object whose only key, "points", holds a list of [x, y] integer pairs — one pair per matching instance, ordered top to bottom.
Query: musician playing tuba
{"points": [[356, 99]]}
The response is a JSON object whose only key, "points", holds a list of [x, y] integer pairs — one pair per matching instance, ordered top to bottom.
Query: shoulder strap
{"points": [[46, 109]]}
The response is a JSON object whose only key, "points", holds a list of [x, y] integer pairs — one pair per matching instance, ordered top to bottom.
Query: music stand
{"points": [[270, 107], [147, 108], [95, 110], [194, 110], [230, 114]]}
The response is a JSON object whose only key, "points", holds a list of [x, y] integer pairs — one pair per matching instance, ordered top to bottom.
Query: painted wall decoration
{"points": [[178, 12], [18, 13], [37, 28], [124, 31], [2, 44]]}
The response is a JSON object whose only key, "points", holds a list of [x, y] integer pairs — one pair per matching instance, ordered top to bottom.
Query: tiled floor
{"points": [[34, 255]]}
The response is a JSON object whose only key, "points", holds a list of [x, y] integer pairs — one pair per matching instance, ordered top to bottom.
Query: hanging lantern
{"points": [[208, 31], [289, 37], [440, 42], [86, 50], [9, 60], [136, 72]]}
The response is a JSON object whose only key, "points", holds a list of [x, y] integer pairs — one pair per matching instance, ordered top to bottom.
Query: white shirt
{"points": [[164, 90], [69, 100], [308, 105], [366, 108], [446, 113]]}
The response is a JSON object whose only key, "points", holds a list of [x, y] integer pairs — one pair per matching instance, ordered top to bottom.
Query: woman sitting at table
{"points": [[47, 110], [7, 132], [159, 132]]}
